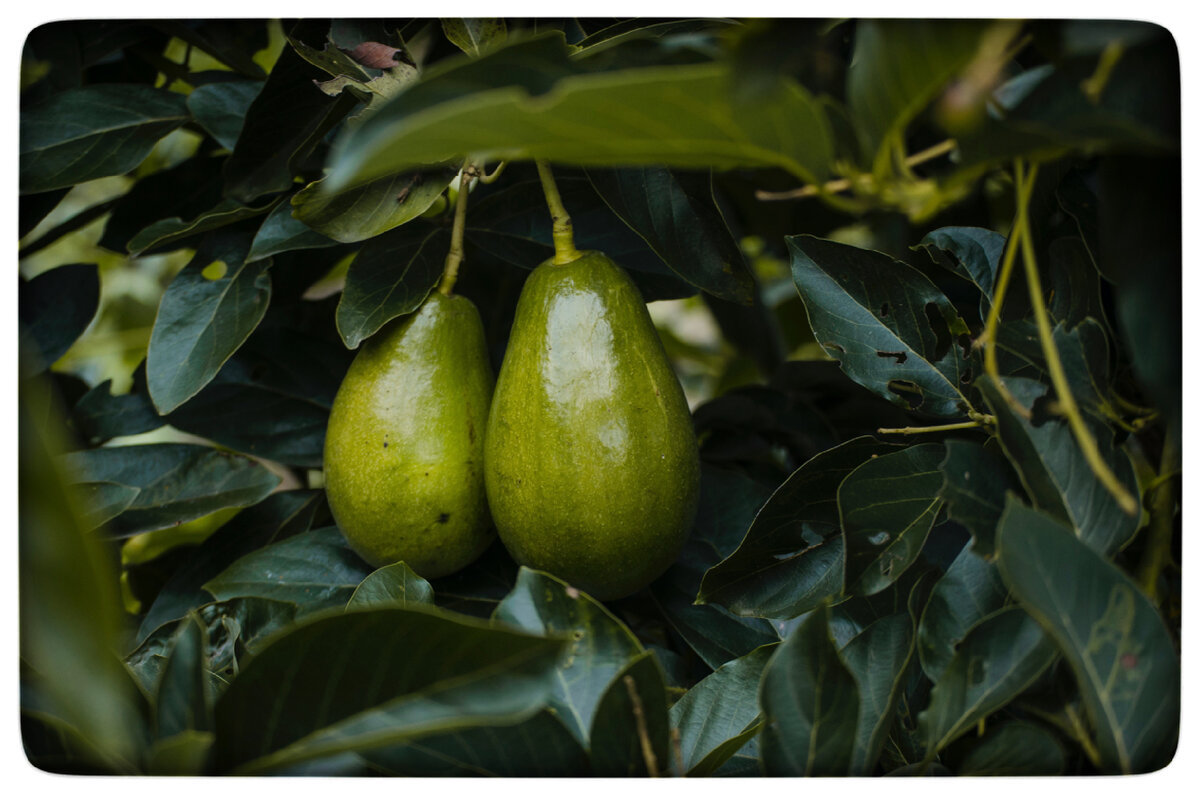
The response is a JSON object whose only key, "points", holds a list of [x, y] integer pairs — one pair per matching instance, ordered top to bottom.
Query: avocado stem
{"points": [[563, 232], [454, 257]]}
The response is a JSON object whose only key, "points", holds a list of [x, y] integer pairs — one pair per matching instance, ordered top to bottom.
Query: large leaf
{"points": [[474, 36], [220, 108], [684, 116], [96, 131], [187, 190], [362, 212], [676, 214], [169, 231], [281, 232], [971, 252], [390, 277], [54, 309], [202, 320], [892, 330], [100, 415], [1055, 472], [975, 479], [176, 482], [888, 506], [792, 555], [313, 570], [396, 584], [969, 591], [598, 644], [1122, 656], [1000, 657], [878, 658], [359, 680], [183, 700], [810, 705], [719, 714], [629, 732], [1015, 748]]}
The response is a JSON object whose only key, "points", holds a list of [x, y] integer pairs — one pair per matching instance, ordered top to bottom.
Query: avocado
{"points": [[404, 446], [591, 462]]}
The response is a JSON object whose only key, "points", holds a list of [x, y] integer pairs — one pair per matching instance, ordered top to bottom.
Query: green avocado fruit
{"points": [[404, 447], [591, 462]]}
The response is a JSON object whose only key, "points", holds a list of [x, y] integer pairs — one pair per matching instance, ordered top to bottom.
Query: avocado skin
{"points": [[404, 447], [591, 463]]}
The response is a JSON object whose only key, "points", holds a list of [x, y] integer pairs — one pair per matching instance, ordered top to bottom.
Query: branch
{"points": [[839, 185], [643, 735]]}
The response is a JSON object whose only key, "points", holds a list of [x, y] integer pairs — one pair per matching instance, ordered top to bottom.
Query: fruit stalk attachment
{"points": [[564, 233], [454, 257]]}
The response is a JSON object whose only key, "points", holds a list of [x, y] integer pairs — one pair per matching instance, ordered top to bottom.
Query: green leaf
{"points": [[474, 36], [898, 68], [220, 108], [679, 116], [96, 131], [187, 190], [353, 214], [677, 215], [168, 231], [281, 232], [971, 252], [390, 277], [1076, 296], [54, 309], [202, 320], [890, 327], [100, 415], [1053, 468], [975, 479], [177, 482], [100, 502], [888, 505], [280, 515], [792, 555], [313, 570], [396, 584], [479, 588], [969, 591], [1113, 638], [598, 644], [878, 658], [361, 680], [182, 699], [635, 701], [810, 705], [719, 714], [539, 747], [1015, 748], [182, 754]]}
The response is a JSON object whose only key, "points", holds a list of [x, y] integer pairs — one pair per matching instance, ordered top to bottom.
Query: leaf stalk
{"points": [[563, 232], [454, 257]]}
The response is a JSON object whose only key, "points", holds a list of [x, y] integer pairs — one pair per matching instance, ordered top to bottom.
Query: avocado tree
{"points": [[918, 282]]}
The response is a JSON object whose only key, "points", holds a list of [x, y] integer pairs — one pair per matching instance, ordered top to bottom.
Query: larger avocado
{"points": [[404, 447], [591, 462]]}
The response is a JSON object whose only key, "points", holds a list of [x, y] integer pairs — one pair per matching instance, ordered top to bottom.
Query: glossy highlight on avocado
{"points": [[404, 447], [591, 462]]}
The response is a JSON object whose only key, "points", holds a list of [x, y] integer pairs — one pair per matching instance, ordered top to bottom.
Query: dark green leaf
{"points": [[628, 30], [475, 36], [232, 42], [220, 108], [96, 131], [187, 190], [33, 209], [359, 213], [676, 214], [169, 231], [281, 232], [972, 253], [390, 277], [1076, 284], [54, 309], [202, 320], [887, 323], [1084, 354], [101, 415], [1053, 468], [975, 478], [177, 482], [100, 502], [888, 505], [282, 514], [792, 555], [313, 570], [396, 584], [479, 588], [969, 591], [598, 644], [1001, 656], [1122, 656], [877, 658], [364, 680], [182, 700], [810, 705], [633, 706], [720, 713], [539, 747], [1015, 748], [181, 754]]}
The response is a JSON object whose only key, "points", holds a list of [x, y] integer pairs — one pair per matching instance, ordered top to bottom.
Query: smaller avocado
{"points": [[404, 446]]}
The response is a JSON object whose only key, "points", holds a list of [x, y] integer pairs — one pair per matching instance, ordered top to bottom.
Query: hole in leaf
{"points": [[215, 270], [883, 310], [941, 331], [964, 343], [833, 349], [900, 356], [966, 376], [907, 390], [1044, 409]]}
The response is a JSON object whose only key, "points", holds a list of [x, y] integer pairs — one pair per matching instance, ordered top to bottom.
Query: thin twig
{"points": [[488, 179], [839, 185], [954, 426], [1162, 522], [643, 734]]}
